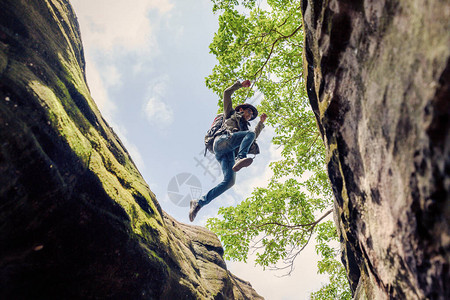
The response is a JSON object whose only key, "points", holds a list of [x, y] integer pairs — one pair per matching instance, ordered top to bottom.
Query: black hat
{"points": [[245, 106]]}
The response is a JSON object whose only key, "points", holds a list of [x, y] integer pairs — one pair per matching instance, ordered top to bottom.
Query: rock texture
{"points": [[378, 80], [77, 221]]}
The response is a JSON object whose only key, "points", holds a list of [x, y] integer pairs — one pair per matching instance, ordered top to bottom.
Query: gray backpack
{"points": [[216, 130], [213, 131]]}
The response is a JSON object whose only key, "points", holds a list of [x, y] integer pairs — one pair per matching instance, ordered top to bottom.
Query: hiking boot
{"points": [[242, 163], [195, 207]]}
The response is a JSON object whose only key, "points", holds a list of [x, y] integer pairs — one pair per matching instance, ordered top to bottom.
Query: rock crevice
{"points": [[378, 82]]}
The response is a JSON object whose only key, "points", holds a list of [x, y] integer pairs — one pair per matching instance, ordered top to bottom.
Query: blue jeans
{"points": [[224, 147]]}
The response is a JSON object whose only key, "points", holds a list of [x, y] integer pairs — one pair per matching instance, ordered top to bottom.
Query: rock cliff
{"points": [[378, 80], [77, 220]]}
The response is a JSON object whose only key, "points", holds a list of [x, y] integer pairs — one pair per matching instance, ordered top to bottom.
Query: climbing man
{"points": [[234, 134]]}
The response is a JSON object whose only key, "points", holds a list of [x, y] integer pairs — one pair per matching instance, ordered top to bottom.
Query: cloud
{"points": [[109, 24], [111, 31], [112, 76], [98, 90], [107, 108], [156, 110], [158, 113], [131, 148], [303, 280]]}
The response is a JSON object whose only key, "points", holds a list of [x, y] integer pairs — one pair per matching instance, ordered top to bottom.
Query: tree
{"points": [[262, 41]]}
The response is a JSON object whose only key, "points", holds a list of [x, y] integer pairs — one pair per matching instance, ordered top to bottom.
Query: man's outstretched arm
{"points": [[227, 103], [259, 127]]}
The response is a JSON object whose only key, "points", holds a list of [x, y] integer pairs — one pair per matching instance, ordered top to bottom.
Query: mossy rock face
{"points": [[378, 80], [77, 220]]}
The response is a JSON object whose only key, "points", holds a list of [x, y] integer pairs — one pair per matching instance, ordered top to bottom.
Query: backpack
{"points": [[213, 131]]}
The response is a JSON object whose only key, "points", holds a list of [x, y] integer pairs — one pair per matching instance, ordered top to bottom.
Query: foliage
{"points": [[262, 41], [338, 287]]}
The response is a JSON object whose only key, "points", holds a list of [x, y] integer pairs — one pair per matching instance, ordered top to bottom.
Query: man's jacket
{"points": [[234, 121]]}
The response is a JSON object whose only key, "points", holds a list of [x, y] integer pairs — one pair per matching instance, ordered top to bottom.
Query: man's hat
{"points": [[245, 106]]}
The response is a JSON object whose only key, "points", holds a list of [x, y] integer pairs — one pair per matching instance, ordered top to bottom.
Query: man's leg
{"points": [[242, 140], [245, 144], [224, 147], [229, 177]]}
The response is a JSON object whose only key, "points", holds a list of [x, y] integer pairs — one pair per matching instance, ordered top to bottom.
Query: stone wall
{"points": [[378, 80], [77, 220]]}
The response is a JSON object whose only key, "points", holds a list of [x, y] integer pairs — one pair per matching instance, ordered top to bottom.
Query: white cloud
{"points": [[107, 24], [110, 30], [141, 65], [112, 76], [159, 86], [98, 90], [107, 108], [156, 110], [158, 113], [131, 148], [135, 155], [203, 218], [303, 280]]}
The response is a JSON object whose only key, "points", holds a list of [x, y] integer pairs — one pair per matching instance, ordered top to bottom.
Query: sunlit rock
{"points": [[77, 220]]}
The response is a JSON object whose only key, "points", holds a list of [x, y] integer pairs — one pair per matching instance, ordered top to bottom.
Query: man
{"points": [[233, 135]]}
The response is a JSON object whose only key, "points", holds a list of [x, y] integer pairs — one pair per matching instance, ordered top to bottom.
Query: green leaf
{"points": [[278, 220]]}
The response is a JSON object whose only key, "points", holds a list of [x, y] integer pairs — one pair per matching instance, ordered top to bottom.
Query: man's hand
{"points": [[246, 83], [263, 118]]}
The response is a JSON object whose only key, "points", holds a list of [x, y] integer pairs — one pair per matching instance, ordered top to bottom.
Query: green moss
{"points": [[46, 66], [61, 121], [88, 144], [94, 152], [154, 256]]}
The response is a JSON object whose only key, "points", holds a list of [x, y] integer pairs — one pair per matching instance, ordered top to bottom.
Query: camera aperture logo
{"points": [[184, 187]]}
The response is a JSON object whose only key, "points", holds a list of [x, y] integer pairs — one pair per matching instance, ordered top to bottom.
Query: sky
{"points": [[146, 64]]}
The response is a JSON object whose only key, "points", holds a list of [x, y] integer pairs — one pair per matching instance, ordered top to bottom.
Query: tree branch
{"points": [[282, 37], [293, 227]]}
